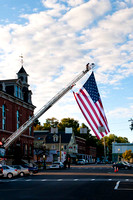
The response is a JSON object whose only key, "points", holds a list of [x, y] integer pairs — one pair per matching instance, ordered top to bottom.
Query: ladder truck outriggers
{"points": [[60, 94]]}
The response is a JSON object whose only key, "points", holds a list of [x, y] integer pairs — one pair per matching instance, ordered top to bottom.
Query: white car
{"points": [[81, 162], [127, 163], [56, 165], [21, 170], [9, 172]]}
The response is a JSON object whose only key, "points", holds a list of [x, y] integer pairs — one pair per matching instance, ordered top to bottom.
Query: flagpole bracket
{"points": [[90, 66]]}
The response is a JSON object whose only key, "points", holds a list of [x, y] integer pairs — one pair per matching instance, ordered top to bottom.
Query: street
{"points": [[79, 182]]}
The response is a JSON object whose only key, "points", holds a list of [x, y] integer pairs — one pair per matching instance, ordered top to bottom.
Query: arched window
{"points": [[3, 117], [18, 119]]}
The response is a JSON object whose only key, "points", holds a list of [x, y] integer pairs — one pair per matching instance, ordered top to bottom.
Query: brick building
{"points": [[16, 108], [84, 151]]}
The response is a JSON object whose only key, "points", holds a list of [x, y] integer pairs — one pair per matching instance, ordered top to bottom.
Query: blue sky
{"points": [[57, 39]]}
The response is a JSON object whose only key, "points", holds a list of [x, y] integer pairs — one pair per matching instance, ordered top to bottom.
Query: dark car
{"points": [[122, 165], [32, 169]]}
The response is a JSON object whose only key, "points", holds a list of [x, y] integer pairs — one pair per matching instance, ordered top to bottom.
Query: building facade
{"points": [[15, 109], [62, 145], [118, 149]]}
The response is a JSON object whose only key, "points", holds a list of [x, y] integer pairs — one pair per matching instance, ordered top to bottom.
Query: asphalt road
{"points": [[77, 183]]}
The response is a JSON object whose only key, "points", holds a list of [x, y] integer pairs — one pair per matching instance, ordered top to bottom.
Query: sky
{"points": [[57, 38]]}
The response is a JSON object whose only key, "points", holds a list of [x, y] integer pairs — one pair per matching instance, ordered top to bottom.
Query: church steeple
{"points": [[23, 76]]}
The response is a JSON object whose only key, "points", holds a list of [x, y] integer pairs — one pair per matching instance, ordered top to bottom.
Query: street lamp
{"points": [[118, 154]]}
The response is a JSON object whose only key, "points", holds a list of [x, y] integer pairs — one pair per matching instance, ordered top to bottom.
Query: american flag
{"points": [[89, 101]]}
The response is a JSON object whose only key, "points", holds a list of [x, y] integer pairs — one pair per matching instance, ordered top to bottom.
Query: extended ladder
{"points": [[60, 94]]}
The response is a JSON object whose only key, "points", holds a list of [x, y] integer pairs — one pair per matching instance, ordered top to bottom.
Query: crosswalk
{"points": [[67, 180]]}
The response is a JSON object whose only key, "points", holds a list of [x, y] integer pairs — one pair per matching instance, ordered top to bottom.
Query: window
{"points": [[16, 91], [19, 93], [3, 117], [18, 119], [30, 128], [55, 138], [23, 149], [26, 149], [30, 150]]}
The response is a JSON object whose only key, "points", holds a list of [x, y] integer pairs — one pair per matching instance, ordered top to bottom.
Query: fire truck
{"points": [[47, 106]]}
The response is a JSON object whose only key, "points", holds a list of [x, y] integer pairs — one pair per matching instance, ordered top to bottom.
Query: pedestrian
{"points": [[65, 162], [68, 162], [44, 164]]}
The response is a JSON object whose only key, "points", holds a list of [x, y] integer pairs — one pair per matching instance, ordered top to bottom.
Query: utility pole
{"points": [[60, 146], [104, 150]]}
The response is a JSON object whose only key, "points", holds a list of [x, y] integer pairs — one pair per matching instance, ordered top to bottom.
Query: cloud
{"points": [[75, 2], [82, 16], [59, 41], [121, 112]]}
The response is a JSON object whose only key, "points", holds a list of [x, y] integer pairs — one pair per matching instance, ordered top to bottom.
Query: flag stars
{"points": [[92, 89]]}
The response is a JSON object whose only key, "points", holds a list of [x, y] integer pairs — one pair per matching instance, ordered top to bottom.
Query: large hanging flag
{"points": [[89, 101]]}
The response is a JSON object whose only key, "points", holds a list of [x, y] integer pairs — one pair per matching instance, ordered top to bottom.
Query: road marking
{"points": [[14, 180], [117, 180], [117, 185]]}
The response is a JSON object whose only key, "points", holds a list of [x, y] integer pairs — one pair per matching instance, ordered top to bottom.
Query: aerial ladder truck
{"points": [[60, 94]]}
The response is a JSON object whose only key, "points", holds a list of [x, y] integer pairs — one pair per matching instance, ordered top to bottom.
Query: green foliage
{"points": [[36, 122], [53, 122], [69, 122], [131, 125], [90, 139], [109, 140], [127, 155]]}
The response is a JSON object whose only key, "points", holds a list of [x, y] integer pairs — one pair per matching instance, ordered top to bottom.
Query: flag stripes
{"points": [[92, 108]]}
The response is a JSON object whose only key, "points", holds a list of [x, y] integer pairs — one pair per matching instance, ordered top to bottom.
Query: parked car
{"points": [[81, 162], [86, 162], [127, 163], [56, 165], [122, 165], [32, 169], [1, 170], [22, 171], [9, 172]]}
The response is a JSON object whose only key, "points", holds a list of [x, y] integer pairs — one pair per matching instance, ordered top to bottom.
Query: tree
{"points": [[36, 122], [53, 122], [69, 122], [37, 125], [131, 125], [122, 140], [108, 143], [127, 155]]}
